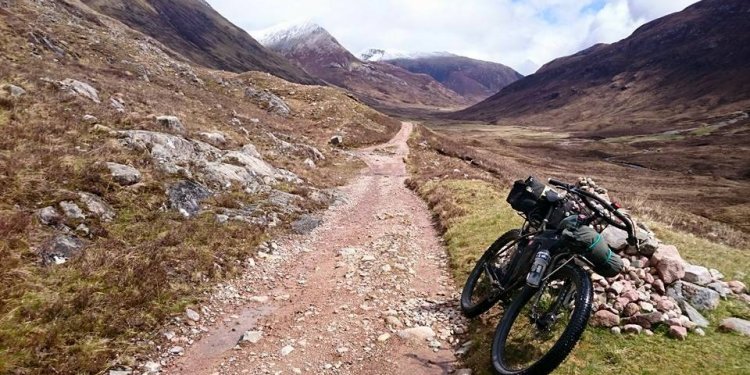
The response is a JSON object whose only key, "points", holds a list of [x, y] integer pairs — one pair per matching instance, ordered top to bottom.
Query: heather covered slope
{"points": [[196, 31], [670, 72], [131, 181]]}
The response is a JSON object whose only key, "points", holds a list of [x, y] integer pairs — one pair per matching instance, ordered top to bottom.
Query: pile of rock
{"points": [[657, 287]]}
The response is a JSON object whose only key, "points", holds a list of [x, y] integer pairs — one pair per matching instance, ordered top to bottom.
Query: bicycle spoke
{"points": [[539, 325]]}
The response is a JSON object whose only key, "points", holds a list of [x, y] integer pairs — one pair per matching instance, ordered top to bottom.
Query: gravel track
{"points": [[367, 292]]}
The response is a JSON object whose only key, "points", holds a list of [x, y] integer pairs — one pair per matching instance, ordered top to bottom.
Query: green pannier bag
{"points": [[591, 244]]}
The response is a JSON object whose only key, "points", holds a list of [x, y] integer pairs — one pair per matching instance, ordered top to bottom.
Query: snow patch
{"points": [[286, 31], [377, 54]]}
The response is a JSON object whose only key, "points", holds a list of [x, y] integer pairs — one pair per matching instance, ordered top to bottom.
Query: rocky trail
{"points": [[366, 292]]}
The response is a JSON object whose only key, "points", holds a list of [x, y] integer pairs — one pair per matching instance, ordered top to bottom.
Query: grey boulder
{"points": [[81, 89], [15, 91], [268, 101], [171, 123], [214, 138], [336, 140], [218, 169], [124, 175], [186, 196], [97, 206], [72, 210], [49, 216], [306, 224], [616, 238], [60, 249], [697, 274], [700, 297], [694, 315], [738, 325]]}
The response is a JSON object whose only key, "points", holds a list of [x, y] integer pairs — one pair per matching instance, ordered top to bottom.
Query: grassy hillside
{"points": [[143, 265]]}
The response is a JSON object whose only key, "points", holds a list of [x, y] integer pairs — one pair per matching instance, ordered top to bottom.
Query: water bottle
{"points": [[541, 261]]}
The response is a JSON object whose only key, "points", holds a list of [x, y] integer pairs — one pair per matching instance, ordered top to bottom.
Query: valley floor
{"points": [[367, 292]]}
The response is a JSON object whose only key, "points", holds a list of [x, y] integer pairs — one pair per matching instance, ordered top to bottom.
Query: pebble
{"points": [[259, 299], [192, 315], [632, 328], [677, 332], [420, 333], [252, 337], [384, 337], [286, 350]]}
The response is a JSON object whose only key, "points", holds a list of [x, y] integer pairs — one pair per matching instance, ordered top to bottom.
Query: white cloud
{"points": [[523, 34]]}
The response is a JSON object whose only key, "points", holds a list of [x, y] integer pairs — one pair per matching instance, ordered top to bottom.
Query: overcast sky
{"points": [[523, 34]]}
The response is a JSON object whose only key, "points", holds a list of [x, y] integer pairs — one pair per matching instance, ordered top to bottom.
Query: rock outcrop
{"points": [[80, 88], [216, 168]]}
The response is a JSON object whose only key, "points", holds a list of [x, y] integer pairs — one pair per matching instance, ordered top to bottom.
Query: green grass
{"points": [[703, 131], [661, 137], [474, 213], [483, 216]]}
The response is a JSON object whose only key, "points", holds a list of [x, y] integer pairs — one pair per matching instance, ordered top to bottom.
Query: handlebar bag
{"points": [[526, 196], [591, 244]]}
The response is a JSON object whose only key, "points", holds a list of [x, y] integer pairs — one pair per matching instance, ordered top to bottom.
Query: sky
{"points": [[523, 34]]}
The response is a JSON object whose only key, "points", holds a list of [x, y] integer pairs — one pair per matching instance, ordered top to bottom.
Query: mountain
{"points": [[196, 31], [682, 67], [473, 79], [376, 83]]}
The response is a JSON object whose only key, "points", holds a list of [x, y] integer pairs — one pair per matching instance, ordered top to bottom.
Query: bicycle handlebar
{"points": [[561, 184], [627, 224]]}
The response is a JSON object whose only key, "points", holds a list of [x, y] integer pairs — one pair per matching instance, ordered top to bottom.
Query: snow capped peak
{"points": [[287, 31], [376, 54]]}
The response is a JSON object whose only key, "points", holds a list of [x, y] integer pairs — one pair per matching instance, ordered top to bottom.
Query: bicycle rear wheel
{"points": [[543, 325]]}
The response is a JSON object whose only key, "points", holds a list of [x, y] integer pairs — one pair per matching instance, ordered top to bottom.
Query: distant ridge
{"points": [[195, 30]]}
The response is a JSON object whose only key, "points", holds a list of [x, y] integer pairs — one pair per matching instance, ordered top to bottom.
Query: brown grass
{"points": [[707, 205]]}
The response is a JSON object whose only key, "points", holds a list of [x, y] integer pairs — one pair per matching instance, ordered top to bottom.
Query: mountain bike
{"points": [[539, 274]]}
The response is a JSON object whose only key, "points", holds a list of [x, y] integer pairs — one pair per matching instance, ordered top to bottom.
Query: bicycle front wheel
{"points": [[542, 325]]}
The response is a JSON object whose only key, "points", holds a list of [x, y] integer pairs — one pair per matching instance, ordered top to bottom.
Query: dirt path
{"points": [[367, 292]]}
